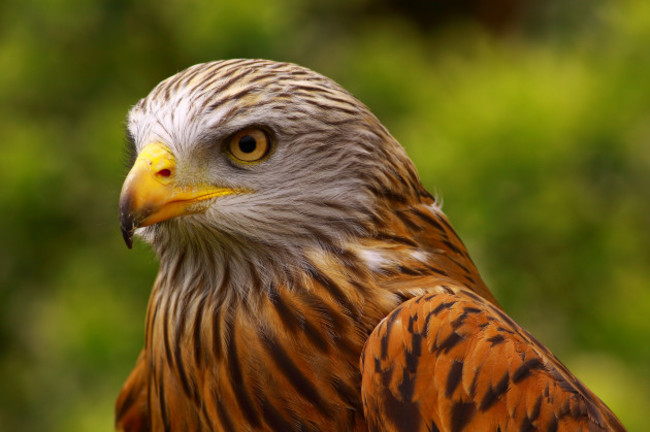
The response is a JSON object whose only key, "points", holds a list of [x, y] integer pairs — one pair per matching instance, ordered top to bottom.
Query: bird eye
{"points": [[249, 145]]}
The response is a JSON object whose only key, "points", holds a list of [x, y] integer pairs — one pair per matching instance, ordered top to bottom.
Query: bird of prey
{"points": [[308, 281]]}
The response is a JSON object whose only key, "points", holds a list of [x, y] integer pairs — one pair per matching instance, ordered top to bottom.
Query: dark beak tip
{"points": [[127, 222], [127, 226], [128, 229], [128, 238]]}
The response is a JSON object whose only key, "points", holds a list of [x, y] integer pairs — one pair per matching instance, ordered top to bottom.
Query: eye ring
{"points": [[249, 145]]}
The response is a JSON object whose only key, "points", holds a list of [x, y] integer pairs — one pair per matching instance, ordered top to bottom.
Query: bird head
{"points": [[254, 153]]}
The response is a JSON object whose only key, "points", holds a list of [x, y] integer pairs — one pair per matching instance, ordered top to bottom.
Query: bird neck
{"points": [[405, 243], [413, 247], [305, 318]]}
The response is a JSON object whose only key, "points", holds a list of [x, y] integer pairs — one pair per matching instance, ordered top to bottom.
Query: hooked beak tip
{"points": [[127, 222], [127, 227], [127, 234]]}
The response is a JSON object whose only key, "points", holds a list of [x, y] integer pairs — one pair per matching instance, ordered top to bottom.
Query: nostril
{"points": [[164, 172]]}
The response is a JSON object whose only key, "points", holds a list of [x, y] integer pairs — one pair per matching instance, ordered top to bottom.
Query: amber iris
{"points": [[249, 145]]}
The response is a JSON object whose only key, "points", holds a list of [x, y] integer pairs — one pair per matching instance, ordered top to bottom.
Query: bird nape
{"points": [[308, 281]]}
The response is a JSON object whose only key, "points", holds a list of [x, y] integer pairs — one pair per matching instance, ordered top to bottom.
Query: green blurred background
{"points": [[530, 119]]}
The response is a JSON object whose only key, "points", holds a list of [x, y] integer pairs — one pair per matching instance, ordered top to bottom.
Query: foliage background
{"points": [[531, 120]]}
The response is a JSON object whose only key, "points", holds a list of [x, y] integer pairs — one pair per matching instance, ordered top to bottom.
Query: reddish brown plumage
{"points": [[264, 338], [323, 341], [451, 361], [131, 407]]}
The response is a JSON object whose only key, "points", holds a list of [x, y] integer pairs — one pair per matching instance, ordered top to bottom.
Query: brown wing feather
{"points": [[451, 361]]}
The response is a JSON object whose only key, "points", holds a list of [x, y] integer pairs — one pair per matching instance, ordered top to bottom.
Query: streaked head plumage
{"points": [[329, 159]]}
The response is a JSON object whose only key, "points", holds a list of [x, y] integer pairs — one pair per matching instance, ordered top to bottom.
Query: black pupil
{"points": [[247, 144]]}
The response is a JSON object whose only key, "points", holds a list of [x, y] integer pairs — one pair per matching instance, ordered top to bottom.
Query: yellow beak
{"points": [[151, 194]]}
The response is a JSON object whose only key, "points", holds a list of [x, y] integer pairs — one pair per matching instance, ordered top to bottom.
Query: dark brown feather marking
{"points": [[428, 219], [406, 220], [393, 238], [452, 247], [409, 271], [331, 287], [443, 306], [291, 320], [295, 321], [196, 332], [496, 340], [451, 341], [167, 343], [217, 348], [180, 365], [526, 367], [293, 374], [453, 377], [237, 383], [406, 386], [493, 393], [347, 394], [127, 403], [163, 406], [461, 414], [534, 414], [404, 415], [224, 417], [273, 417], [527, 425], [552, 425], [432, 427]]}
